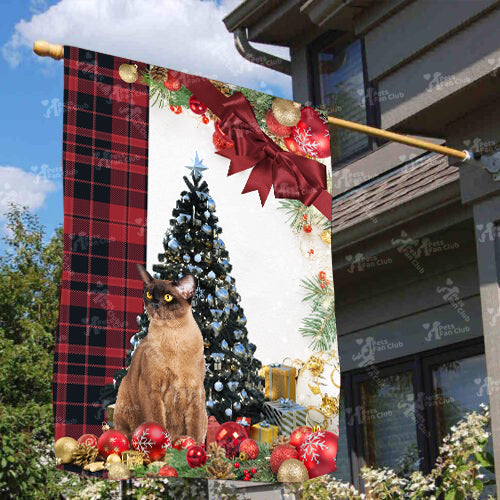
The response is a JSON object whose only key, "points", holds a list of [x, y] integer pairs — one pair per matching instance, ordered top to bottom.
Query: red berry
{"points": [[176, 109], [205, 119], [304, 217], [307, 228], [322, 275], [327, 282], [322, 285], [237, 465], [253, 471], [245, 472], [246, 478]]}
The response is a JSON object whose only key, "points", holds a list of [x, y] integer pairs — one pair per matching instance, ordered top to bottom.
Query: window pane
{"points": [[342, 89], [459, 387], [388, 422], [343, 472]]}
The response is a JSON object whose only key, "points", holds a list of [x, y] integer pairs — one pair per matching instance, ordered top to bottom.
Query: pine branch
{"points": [[161, 96], [295, 211], [320, 327]]}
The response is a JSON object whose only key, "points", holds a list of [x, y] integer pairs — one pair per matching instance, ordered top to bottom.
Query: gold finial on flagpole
{"points": [[43, 49]]}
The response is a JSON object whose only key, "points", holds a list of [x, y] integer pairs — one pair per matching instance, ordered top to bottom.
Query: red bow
{"points": [[291, 176]]}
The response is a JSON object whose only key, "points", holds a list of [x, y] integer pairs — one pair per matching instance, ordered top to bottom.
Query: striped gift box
{"points": [[286, 414]]}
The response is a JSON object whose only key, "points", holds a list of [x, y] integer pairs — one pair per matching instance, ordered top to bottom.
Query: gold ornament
{"points": [[128, 72], [158, 74], [286, 112], [326, 237], [315, 365], [329, 406], [279, 440], [64, 449], [84, 454], [243, 456], [133, 458], [113, 459], [95, 466], [220, 469], [118, 470], [292, 471]]}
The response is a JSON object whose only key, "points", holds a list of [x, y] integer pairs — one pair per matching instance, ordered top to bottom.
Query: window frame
{"points": [[339, 39], [421, 365]]}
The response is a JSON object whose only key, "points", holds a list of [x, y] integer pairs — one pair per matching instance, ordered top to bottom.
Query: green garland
{"points": [[161, 96]]}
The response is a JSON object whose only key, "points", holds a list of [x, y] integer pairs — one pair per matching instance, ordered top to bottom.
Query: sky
{"points": [[186, 35]]}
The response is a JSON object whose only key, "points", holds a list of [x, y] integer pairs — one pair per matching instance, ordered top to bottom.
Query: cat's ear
{"points": [[146, 277], [186, 286]]}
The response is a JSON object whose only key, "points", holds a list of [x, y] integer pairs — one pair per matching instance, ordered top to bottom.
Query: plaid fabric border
{"points": [[105, 203]]}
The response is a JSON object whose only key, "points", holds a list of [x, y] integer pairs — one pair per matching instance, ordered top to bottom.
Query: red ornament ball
{"points": [[172, 84], [196, 106], [176, 109], [205, 119], [275, 126], [311, 134], [220, 140], [292, 146], [307, 228], [322, 275], [230, 436], [298, 436], [152, 439], [89, 440], [112, 441], [184, 442], [250, 447], [319, 453], [280, 454], [196, 456], [237, 465], [167, 471], [253, 471]]}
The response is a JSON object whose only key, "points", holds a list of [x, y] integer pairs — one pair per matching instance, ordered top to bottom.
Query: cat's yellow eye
{"points": [[149, 295], [168, 297]]}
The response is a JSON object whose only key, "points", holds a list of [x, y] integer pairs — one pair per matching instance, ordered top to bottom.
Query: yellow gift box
{"points": [[280, 381], [111, 410], [263, 432]]}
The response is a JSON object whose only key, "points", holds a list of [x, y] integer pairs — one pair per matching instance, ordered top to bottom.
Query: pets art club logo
{"points": [[438, 81], [373, 96], [345, 179], [487, 232], [361, 262], [450, 293], [437, 330], [370, 346], [486, 386], [363, 415]]}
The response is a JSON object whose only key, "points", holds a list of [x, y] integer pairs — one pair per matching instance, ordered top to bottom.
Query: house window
{"points": [[340, 85], [396, 414]]}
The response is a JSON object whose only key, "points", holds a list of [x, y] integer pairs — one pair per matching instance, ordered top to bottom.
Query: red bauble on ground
{"points": [[172, 84], [196, 106], [275, 126], [311, 134], [220, 140], [229, 436], [298, 436], [152, 439], [89, 440], [112, 441], [184, 442], [250, 447], [319, 453], [280, 454], [196, 456], [167, 471]]}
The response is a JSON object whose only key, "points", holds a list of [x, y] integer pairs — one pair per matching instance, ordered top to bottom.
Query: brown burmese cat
{"points": [[164, 383]]}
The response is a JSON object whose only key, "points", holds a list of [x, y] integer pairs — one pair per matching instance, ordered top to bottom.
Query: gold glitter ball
{"points": [[128, 72], [286, 112], [326, 237], [64, 449], [113, 458], [118, 470], [292, 471]]}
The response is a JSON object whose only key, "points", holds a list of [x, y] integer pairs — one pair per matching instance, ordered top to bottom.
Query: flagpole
{"points": [[45, 49]]}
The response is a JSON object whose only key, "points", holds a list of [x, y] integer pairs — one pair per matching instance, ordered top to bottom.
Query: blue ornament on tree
{"points": [[211, 204], [206, 229], [188, 238], [174, 245], [186, 258], [197, 258], [211, 275], [222, 294], [218, 386]]}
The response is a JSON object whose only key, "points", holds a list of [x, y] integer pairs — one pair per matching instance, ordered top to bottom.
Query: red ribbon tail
{"points": [[261, 180], [323, 203]]}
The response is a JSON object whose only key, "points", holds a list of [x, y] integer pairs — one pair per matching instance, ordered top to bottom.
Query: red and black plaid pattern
{"points": [[105, 194]]}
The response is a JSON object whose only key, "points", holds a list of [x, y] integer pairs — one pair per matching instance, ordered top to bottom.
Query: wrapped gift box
{"points": [[280, 381], [111, 410], [286, 414], [245, 422], [212, 428], [264, 432]]}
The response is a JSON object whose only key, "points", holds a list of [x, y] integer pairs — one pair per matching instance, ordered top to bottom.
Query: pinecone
{"points": [[158, 74], [222, 87], [279, 440], [214, 451], [84, 454], [220, 469]]}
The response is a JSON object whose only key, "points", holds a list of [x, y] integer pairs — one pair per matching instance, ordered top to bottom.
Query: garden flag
{"points": [[196, 324]]}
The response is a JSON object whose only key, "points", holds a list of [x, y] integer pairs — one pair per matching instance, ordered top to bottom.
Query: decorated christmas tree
{"points": [[193, 245]]}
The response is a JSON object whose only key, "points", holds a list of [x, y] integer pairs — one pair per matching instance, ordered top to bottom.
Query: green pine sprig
{"points": [[161, 96], [295, 210], [320, 324]]}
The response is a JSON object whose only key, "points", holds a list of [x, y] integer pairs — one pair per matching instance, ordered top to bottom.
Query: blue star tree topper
{"points": [[197, 167]]}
